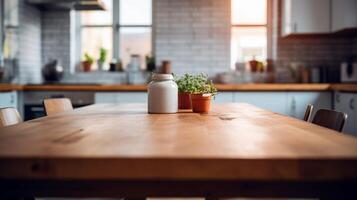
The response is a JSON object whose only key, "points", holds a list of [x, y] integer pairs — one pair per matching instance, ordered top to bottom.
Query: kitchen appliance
{"points": [[349, 71], [52, 72], [33, 101]]}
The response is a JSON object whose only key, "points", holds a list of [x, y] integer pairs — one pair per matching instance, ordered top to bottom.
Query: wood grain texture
{"points": [[4, 87], [221, 87], [344, 87], [233, 142]]}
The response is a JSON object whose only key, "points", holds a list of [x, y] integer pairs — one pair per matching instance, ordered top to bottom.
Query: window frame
{"points": [[267, 25], [116, 26]]}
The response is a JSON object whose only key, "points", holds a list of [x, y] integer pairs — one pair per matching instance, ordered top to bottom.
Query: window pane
{"points": [[249, 11], [135, 12], [98, 17], [95, 38], [135, 41], [248, 42]]}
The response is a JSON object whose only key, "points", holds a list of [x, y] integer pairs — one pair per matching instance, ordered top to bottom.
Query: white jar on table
{"points": [[162, 94]]}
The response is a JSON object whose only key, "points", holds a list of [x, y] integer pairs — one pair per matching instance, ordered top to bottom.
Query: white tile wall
{"points": [[193, 34], [29, 35], [56, 37]]}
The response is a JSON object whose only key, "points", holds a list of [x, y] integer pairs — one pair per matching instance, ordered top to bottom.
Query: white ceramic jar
{"points": [[162, 94]]}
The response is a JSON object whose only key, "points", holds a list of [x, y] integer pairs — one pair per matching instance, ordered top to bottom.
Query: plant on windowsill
{"points": [[102, 57], [87, 63], [150, 63]]}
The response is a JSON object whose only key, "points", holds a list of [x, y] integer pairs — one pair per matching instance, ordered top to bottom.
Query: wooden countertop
{"points": [[5, 87], [221, 87], [233, 142]]}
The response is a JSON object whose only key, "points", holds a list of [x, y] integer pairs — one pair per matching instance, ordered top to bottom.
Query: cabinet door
{"points": [[344, 14], [306, 16], [121, 97], [224, 97], [8, 99], [273, 101], [298, 101], [345, 102]]}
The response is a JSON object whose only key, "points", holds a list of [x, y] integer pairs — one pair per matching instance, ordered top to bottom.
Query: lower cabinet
{"points": [[120, 97], [224, 97], [8, 99], [273, 101], [298, 101], [346, 102], [286, 103]]}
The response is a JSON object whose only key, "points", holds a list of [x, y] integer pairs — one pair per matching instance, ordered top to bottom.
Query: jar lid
{"points": [[161, 77]]}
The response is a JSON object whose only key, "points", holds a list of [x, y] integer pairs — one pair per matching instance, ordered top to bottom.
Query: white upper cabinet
{"points": [[344, 14], [306, 16]]}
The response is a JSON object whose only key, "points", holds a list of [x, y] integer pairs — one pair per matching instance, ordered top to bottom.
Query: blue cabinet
{"points": [[121, 97], [224, 97], [8, 99], [273, 101], [298, 101], [346, 102]]}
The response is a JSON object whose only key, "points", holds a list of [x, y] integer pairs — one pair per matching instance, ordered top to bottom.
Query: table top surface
{"points": [[233, 141]]}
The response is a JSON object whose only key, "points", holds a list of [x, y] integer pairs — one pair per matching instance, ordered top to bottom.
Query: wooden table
{"points": [[120, 150]]}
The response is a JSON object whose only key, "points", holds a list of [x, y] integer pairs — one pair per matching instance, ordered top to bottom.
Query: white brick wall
{"points": [[193, 34], [56, 37], [29, 43]]}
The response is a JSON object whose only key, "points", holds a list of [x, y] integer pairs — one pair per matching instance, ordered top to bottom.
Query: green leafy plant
{"points": [[102, 55], [88, 58], [149, 59], [196, 84]]}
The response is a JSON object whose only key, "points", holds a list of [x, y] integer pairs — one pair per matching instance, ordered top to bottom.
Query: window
{"points": [[123, 29], [249, 30]]}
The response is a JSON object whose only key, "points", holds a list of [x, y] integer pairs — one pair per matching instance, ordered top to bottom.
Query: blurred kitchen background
{"points": [[233, 41], [256, 51]]}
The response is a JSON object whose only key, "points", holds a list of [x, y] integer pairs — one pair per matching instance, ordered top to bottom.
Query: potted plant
{"points": [[102, 57], [87, 63], [150, 63], [184, 84], [201, 91]]}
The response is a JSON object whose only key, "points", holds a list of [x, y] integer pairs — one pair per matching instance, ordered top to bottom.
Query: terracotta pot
{"points": [[253, 65], [87, 66], [184, 101], [201, 103]]}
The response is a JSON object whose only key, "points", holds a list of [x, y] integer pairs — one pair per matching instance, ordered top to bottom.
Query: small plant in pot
{"points": [[102, 58], [87, 63], [184, 85], [202, 91]]}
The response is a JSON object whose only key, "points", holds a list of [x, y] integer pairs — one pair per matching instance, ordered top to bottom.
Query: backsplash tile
{"points": [[193, 34], [56, 37], [29, 43]]}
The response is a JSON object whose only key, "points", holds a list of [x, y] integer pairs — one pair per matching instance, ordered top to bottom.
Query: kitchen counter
{"points": [[5, 87], [221, 87]]}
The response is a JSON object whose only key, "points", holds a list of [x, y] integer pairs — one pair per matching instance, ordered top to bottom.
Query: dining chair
{"points": [[57, 105], [308, 112], [9, 116], [330, 119]]}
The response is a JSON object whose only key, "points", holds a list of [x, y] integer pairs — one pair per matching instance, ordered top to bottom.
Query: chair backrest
{"points": [[57, 105], [308, 112], [9, 116], [330, 119]]}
